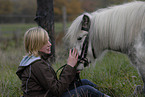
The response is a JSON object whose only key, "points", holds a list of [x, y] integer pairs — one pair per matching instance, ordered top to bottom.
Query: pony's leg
{"points": [[140, 57], [137, 58], [141, 70], [139, 90]]}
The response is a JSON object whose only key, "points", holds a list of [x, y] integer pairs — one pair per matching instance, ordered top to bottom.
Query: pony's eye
{"points": [[79, 38]]}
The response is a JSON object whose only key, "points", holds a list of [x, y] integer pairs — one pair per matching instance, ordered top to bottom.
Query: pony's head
{"points": [[78, 34]]}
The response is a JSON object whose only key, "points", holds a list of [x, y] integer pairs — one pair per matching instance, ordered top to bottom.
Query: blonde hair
{"points": [[34, 39]]}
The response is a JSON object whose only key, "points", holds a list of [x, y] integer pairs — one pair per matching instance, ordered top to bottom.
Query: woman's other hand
{"points": [[73, 57]]}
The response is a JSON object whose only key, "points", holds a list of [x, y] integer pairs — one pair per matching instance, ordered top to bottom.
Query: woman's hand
{"points": [[73, 57]]}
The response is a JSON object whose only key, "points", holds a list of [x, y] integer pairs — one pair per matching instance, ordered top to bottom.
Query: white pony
{"points": [[119, 28]]}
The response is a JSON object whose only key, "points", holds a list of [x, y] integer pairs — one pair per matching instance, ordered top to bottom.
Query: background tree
{"points": [[110, 2], [92, 5], [6, 7], [24, 7], [73, 8], [24, 10], [45, 19]]}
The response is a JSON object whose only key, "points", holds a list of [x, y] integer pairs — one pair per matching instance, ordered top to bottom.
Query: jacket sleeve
{"points": [[48, 79]]}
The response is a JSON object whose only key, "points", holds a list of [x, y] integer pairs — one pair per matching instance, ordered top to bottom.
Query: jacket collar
{"points": [[27, 60]]}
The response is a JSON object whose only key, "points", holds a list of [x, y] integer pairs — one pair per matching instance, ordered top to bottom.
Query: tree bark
{"points": [[45, 19]]}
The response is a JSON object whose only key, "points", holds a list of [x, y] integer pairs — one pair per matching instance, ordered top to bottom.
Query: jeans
{"points": [[85, 90]]}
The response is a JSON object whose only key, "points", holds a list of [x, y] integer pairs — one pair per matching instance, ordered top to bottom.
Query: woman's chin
{"points": [[49, 52]]}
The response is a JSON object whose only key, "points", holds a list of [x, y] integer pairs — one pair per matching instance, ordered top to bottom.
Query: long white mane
{"points": [[114, 27], [117, 27]]}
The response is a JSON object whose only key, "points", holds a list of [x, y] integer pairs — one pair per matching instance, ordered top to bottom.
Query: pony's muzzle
{"points": [[82, 63], [80, 67]]}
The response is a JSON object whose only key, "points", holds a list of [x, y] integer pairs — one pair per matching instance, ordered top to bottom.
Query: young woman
{"points": [[39, 78]]}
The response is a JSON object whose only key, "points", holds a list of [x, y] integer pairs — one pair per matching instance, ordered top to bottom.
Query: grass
{"points": [[113, 74], [9, 83]]}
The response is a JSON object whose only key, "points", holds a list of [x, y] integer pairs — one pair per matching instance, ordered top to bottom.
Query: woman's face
{"points": [[46, 48]]}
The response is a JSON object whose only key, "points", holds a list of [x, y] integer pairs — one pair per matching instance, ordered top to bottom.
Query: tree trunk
{"points": [[45, 19]]}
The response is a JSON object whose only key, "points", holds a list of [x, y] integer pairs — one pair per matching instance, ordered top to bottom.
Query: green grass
{"points": [[113, 74], [9, 83]]}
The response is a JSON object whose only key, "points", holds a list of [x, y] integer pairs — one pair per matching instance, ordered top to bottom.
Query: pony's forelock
{"points": [[74, 29]]}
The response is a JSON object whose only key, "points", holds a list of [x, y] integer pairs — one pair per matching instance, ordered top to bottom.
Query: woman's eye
{"points": [[79, 38]]}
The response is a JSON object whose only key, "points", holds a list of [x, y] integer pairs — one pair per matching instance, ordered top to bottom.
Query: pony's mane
{"points": [[113, 26], [117, 26], [73, 29]]}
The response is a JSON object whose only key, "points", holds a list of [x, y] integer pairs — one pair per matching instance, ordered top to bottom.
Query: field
{"points": [[113, 73]]}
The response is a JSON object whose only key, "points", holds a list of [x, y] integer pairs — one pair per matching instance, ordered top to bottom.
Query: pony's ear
{"points": [[86, 23]]}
